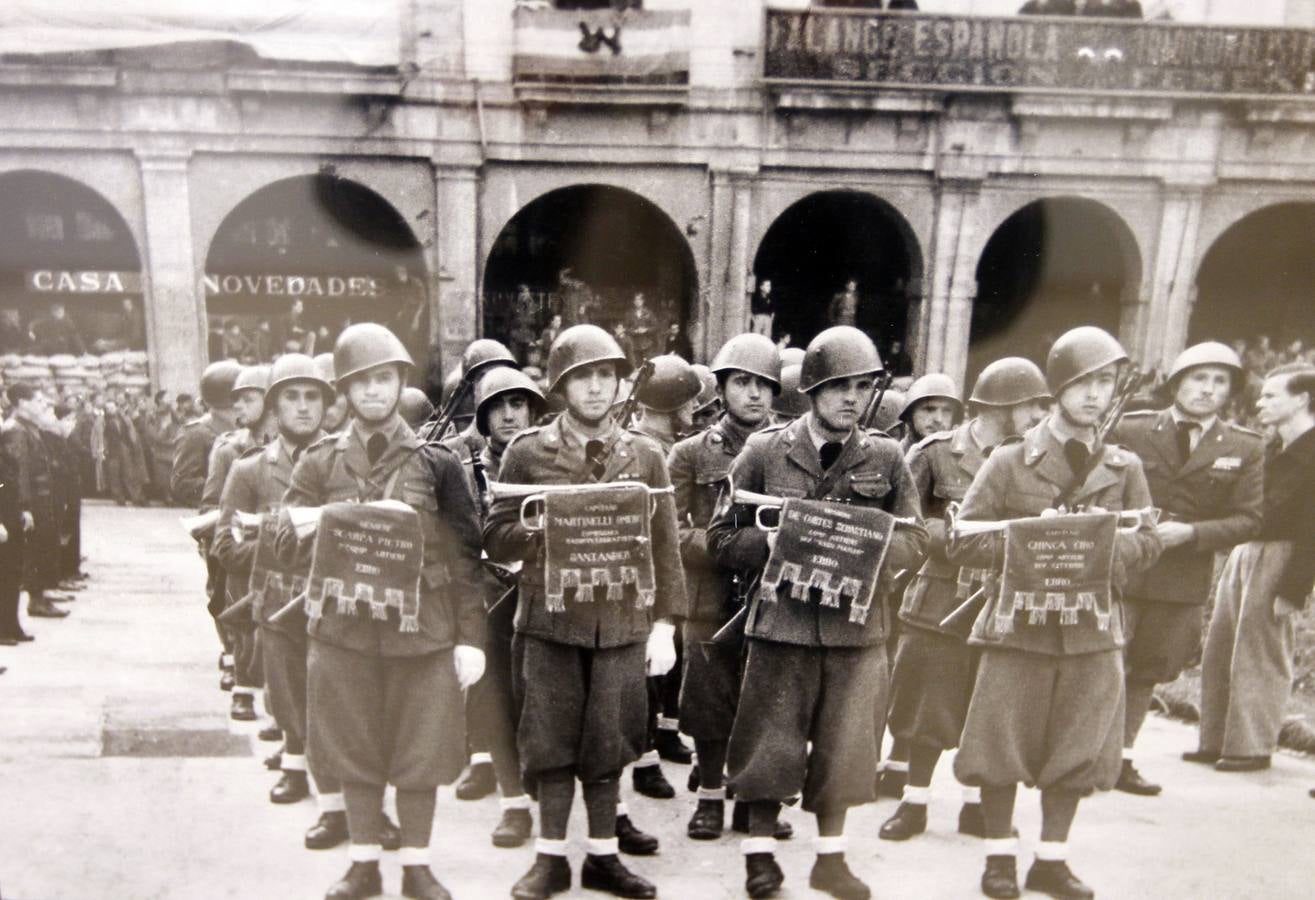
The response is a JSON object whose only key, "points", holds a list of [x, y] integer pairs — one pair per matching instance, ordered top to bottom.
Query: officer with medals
{"points": [[748, 378], [506, 402], [665, 413], [252, 430], [1207, 477], [187, 481], [582, 665], [815, 677], [932, 680], [384, 697], [1047, 705]]}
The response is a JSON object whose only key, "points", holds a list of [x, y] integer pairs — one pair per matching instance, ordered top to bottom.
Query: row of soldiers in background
{"points": [[40, 512], [391, 716]]}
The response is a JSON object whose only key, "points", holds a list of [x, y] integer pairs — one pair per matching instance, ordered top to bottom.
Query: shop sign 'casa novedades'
{"points": [[60, 281], [291, 285]]}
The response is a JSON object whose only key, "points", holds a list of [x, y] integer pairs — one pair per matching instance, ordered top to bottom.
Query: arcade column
{"points": [[1173, 288], [455, 299], [728, 302], [176, 337], [943, 344]]}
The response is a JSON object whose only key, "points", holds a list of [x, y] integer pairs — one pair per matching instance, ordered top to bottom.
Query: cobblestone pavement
{"points": [[120, 777]]}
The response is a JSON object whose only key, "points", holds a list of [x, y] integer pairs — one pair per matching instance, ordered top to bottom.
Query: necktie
{"points": [[1185, 439], [375, 447], [593, 452], [829, 453], [296, 455], [1077, 455]]}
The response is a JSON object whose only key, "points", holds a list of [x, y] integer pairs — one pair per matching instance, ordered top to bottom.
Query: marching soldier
{"points": [[748, 376], [248, 397], [507, 401], [789, 403], [932, 405], [665, 413], [1207, 476], [187, 482], [36, 498], [582, 665], [815, 678], [932, 680], [384, 697], [1065, 736]]}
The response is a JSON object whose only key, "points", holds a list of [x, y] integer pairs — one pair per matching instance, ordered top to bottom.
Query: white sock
{"points": [[668, 723], [650, 758], [477, 759], [293, 763], [895, 765], [712, 793], [972, 795], [918, 796], [518, 802], [622, 809], [835, 843], [758, 845], [602, 846], [1000, 846], [549, 847], [1052, 851], [364, 852], [413, 856]]}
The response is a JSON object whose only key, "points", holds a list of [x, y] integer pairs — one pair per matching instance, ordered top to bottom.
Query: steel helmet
{"points": [[366, 345], [582, 345], [841, 351], [1079, 352], [752, 353], [1209, 353], [484, 354], [792, 356], [324, 364], [295, 367], [251, 378], [501, 381], [1009, 381], [217, 383], [672, 384], [933, 384], [707, 387], [790, 401], [414, 407], [887, 414]]}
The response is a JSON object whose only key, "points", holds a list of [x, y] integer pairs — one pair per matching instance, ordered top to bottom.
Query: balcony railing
{"points": [[602, 47], [1036, 54]]}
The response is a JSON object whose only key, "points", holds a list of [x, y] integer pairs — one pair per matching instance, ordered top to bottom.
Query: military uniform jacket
{"points": [[228, 447], [554, 454], [192, 460], [783, 462], [700, 466], [943, 466], [1025, 478], [256, 484], [35, 488], [1219, 489], [453, 586]]}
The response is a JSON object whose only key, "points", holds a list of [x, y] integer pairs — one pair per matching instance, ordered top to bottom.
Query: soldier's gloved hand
{"points": [[28, 522], [4, 535], [661, 652], [469, 663]]}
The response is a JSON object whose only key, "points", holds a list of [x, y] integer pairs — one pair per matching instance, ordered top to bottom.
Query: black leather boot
{"points": [[243, 708], [270, 733], [671, 748], [478, 782], [650, 782], [1131, 782], [291, 788], [910, 819], [708, 821], [971, 822], [513, 829], [328, 832], [390, 836], [633, 842], [609, 874], [549, 875], [831, 875], [762, 876], [1052, 876], [1000, 877], [361, 881], [419, 883]]}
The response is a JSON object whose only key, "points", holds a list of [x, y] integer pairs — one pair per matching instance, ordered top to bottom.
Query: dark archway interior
{"points": [[61, 242], [818, 243], [330, 246], [584, 252], [1053, 265], [1258, 279]]}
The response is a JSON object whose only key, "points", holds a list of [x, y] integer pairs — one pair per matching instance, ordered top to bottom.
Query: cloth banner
{"points": [[602, 45], [598, 538], [834, 548], [371, 554], [1062, 564], [270, 586]]}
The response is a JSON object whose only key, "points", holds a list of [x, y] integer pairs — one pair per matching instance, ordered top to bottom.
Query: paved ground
{"points": [[119, 777]]}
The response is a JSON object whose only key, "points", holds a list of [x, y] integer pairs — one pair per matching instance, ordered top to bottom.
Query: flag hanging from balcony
{"points": [[602, 46]]}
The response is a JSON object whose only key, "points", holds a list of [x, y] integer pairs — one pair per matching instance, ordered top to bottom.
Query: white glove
{"points": [[28, 522], [4, 535], [661, 652], [469, 663]]}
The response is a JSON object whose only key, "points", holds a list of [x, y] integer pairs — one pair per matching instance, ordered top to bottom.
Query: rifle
{"points": [[874, 403], [435, 427], [597, 466]]}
